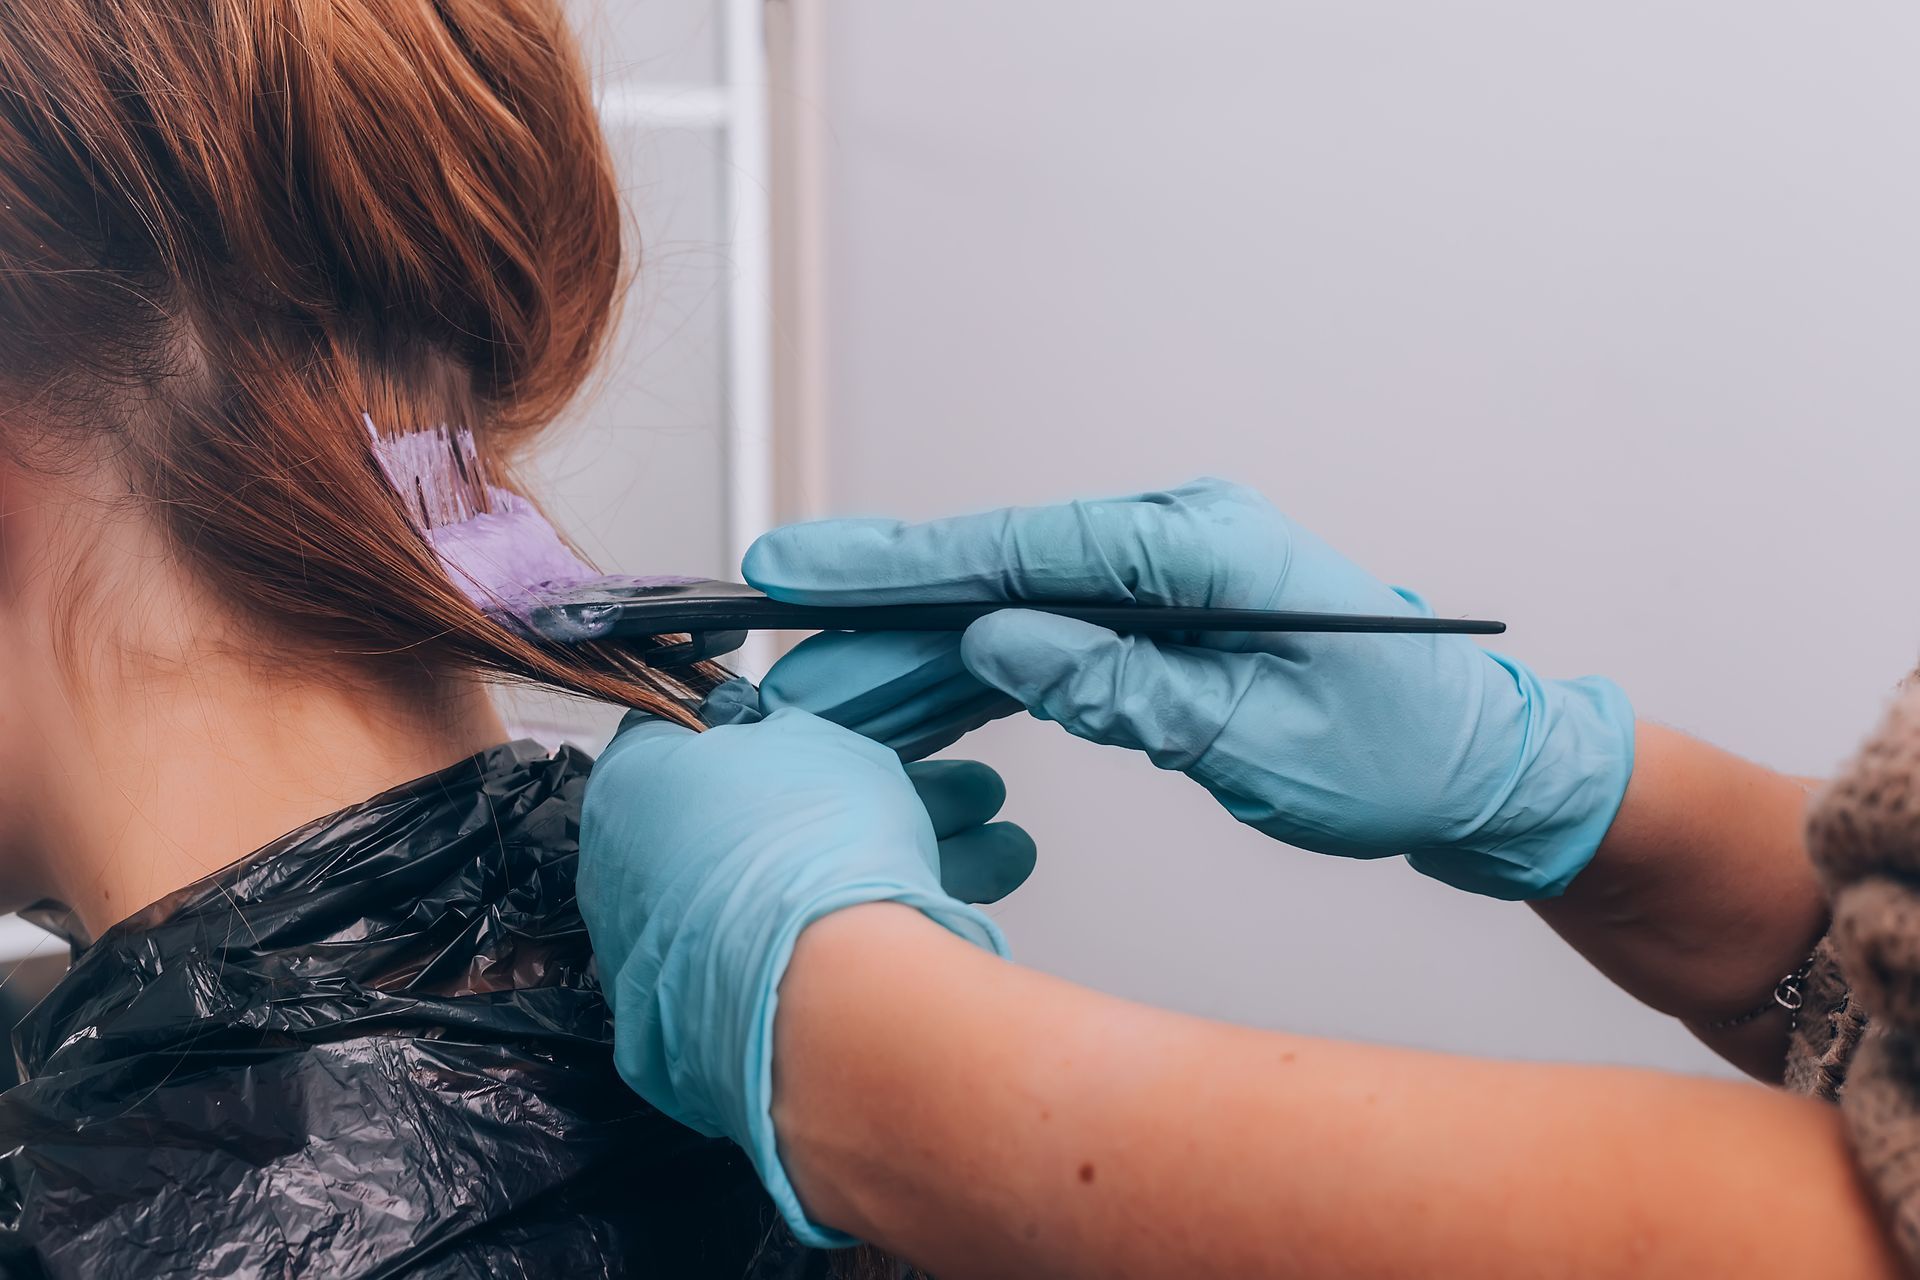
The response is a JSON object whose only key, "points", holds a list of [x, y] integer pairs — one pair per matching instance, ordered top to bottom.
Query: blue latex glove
{"points": [[1481, 773], [703, 856]]}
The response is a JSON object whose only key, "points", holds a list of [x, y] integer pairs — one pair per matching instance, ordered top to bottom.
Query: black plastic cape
{"points": [[375, 1048]]}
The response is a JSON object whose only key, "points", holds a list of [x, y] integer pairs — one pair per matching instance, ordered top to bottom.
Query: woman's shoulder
{"points": [[377, 1047]]}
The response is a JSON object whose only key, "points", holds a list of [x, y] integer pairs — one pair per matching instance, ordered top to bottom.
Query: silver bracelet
{"points": [[1789, 993]]}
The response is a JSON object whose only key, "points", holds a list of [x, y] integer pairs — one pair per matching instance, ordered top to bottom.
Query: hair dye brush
{"points": [[511, 562]]}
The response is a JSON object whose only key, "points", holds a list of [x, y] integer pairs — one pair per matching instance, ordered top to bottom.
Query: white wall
{"points": [[1598, 318]]}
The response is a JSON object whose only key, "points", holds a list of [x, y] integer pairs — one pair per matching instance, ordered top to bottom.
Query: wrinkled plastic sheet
{"points": [[376, 1048]]}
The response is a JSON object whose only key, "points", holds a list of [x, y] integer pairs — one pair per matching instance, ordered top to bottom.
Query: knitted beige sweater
{"points": [[1864, 834]]}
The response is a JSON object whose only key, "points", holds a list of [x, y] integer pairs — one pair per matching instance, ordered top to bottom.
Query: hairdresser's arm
{"points": [[1691, 891], [1702, 896], [981, 1119]]}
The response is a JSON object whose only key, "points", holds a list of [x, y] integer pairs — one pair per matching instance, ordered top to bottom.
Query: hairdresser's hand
{"points": [[1483, 774], [703, 856]]}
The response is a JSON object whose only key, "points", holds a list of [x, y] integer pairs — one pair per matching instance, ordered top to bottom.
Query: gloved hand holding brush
{"points": [[1485, 775]]}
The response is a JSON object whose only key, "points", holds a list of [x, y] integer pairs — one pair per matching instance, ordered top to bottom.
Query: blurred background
{"points": [[1598, 319]]}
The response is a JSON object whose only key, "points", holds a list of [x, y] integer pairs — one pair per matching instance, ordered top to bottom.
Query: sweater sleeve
{"points": [[1860, 1027], [1828, 1030]]}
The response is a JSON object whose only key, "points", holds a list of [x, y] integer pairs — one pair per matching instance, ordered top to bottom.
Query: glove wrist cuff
{"points": [[1575, 759], [754, 1129]]}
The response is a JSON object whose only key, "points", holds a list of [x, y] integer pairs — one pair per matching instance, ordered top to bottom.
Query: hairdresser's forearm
{"points": [[1702, 895], [981, 1119]]}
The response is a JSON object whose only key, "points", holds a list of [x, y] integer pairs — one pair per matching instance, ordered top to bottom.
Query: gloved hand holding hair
{"points": [[703, 856]]}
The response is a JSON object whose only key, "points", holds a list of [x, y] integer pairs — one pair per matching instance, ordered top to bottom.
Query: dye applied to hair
{"points": [[494, 544], [501, 557]]}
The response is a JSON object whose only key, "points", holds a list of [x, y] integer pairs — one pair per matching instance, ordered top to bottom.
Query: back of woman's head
{"points": [[231, 228]]}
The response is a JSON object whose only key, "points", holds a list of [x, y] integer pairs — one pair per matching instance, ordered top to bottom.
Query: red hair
{"points": [[230, 227]]}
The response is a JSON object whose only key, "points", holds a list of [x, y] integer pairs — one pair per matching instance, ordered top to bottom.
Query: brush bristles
{"points": [[437, 472], [494, 544]]}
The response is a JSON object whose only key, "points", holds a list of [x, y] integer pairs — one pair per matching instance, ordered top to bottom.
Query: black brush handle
{"points": [[693, 615]]}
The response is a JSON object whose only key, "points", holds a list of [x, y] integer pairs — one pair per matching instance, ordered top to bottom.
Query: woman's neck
{"points": [[149, 733], [151, 793]]}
